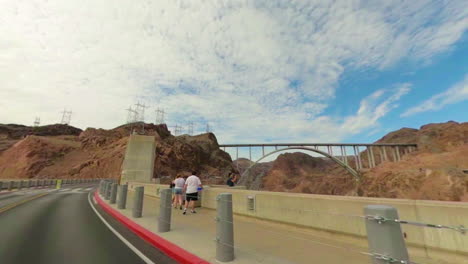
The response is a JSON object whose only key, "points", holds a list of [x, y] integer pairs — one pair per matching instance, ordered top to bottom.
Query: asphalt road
{"points": [[57, 227]]}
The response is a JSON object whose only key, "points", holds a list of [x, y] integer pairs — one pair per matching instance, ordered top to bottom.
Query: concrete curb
{"points": [[170, 249]]}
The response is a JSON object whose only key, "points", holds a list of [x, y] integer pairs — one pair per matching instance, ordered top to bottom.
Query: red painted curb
{"points": [[172, 250]]}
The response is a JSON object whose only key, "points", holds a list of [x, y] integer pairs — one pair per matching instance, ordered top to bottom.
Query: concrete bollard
{"points": [[11, 185], [101, 187], [108, 191], [104, 192], [113, 194], [122, 196], [137, 210], [165, 210], [224, 228], [385, 237]]}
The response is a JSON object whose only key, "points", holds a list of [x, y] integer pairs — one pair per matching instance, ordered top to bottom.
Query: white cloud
{"points": [[256, 70], [455, 94]]}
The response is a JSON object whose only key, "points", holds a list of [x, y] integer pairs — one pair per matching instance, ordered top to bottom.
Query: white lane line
{"points": [[89, 189], [64, 190], [77, 190], [125, 241]]}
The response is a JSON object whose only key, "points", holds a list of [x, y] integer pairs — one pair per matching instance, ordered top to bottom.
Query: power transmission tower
{"points": [[140, 111], [132, 115], [160, 116], [66, 117], [37, 121], [190, 128], [177, 130]]}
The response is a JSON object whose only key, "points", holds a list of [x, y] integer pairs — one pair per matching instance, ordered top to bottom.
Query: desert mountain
{"points": [[61, 151], [435, 171]]}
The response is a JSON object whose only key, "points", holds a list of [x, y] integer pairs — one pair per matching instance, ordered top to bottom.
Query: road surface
{"points": [[60, 226]]}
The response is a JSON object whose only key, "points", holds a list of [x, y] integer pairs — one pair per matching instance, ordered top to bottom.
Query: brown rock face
{"points": [[12, 131], [434, 138], [99, 153], [184, 154], [28, 157], [299, 172], [433, 172], [253, 178]]}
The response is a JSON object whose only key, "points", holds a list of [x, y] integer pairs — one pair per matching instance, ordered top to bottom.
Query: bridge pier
{"points": [[371, 155], [357, 157]]}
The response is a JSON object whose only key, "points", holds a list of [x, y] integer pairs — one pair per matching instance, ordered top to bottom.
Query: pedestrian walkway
{"points": [[256, 241]]}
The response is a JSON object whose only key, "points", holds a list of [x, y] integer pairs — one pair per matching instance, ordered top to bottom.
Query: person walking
{"points": [[179, 183], [191, 187]]}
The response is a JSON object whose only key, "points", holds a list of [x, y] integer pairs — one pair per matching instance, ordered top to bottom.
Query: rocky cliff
{"points": [[99, 153], [434, 171]]}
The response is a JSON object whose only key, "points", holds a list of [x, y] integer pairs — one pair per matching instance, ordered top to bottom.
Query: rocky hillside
{"points": [[99, 153], [434, 171], [254, 176]]}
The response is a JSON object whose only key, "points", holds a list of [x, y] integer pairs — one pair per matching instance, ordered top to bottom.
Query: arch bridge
{"points": [[360, 152]]}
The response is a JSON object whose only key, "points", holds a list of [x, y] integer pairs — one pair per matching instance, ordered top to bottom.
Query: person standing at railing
{"points": [[232, 180], [179, 183], [191, 188]]}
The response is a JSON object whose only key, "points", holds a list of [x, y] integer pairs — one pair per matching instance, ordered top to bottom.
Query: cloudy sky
{"points": [[256, 71]]}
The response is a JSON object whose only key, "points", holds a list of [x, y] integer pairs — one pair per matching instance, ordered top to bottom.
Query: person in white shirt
{"points": [[179, 183], [191, 191]]}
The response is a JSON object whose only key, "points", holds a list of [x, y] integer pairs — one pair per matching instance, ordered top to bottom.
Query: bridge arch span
{"points": [[353, 172]]}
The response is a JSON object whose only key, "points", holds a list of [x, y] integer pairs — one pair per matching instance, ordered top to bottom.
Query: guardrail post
{"points": [[10, 185], [113, 194], [122, 196], [138, 202], [165, 209], [224, 228], [385, 238]]}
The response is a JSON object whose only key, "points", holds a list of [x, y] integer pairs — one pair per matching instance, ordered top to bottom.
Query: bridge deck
{"points": [[318, 144]]}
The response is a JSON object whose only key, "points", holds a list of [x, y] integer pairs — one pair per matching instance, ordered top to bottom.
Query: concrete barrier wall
{"points": [[138, 164], [338, 216]]}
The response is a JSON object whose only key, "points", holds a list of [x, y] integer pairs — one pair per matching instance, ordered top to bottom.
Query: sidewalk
{"points": [[256, 241]]}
